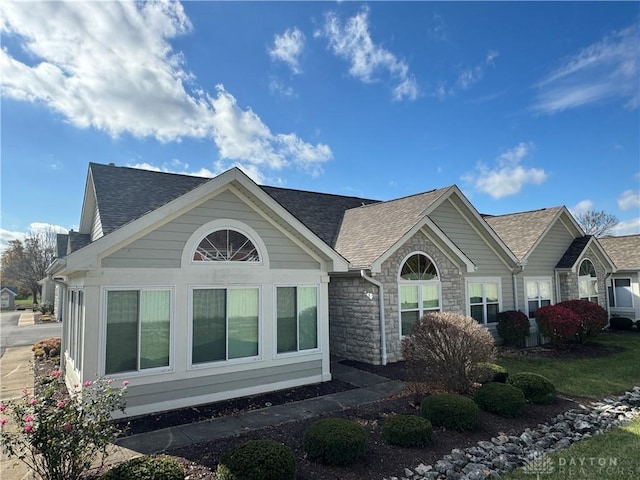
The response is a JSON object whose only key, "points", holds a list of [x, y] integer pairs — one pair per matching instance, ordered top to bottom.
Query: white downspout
{"points": [[608, 278], [383, 333]]}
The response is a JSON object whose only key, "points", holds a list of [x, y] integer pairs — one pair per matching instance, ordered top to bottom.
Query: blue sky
{"points": [[523, 105]]}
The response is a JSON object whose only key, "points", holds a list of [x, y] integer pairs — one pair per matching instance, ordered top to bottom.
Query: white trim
{"points": [[224, 224], [483, 281], [102, 336], [297, 352], [227, 362]]}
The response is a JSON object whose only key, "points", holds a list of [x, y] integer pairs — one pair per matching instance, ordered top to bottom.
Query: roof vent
{"points": [[111, 164]]}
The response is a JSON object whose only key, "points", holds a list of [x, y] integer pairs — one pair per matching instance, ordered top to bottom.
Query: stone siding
{"points": [[569, 281]]}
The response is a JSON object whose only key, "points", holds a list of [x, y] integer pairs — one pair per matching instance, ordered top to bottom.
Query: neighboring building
{"points": [[624, 285], [197, 290], [8, 297]]}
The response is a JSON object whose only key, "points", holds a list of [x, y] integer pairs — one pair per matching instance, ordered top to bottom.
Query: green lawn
{"points": [[590, 377], [612, 455]]}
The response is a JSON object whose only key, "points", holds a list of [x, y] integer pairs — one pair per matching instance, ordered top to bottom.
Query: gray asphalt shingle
{"points": [[624, 251]]}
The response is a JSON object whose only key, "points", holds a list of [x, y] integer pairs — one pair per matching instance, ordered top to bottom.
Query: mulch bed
{"points": [[382, 460]]}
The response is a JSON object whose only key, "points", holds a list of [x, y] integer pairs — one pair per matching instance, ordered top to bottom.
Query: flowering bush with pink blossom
{"points": [[60, 437]]}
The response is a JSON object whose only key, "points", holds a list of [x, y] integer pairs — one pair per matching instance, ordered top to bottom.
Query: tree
{"points": [[596, 223], [25, 261]]}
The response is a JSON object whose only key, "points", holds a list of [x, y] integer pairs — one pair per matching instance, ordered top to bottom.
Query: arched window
{"points": [[226, 245], [588, 282], [419, 286]]}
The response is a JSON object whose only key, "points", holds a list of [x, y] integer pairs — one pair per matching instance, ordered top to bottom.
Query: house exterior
{"points": [[623, 287], [197, 290], [8, 297]]}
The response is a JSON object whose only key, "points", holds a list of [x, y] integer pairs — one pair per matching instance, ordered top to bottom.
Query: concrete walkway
{"points": [[16, 372]]}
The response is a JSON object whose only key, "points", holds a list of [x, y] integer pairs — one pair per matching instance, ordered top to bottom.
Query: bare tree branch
{"points": [[597, 223]]}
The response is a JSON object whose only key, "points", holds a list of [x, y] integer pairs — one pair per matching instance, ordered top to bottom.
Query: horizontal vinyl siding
{"points": [[96, 226], [163, 247], [549, 251], [488, 264], [222, 383]]}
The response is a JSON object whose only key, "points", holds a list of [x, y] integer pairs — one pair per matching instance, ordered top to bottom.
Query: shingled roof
{"points": [[124, 194], [369, 231], [521, 231], [574, 251], [624, 251]]}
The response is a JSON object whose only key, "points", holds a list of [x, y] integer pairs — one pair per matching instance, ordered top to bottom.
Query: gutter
{"points": [[607, 278], [383, 333]]}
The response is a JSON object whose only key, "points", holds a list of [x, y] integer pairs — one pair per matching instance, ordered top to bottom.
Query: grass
{"points": [[589, 378], [612, 455]]}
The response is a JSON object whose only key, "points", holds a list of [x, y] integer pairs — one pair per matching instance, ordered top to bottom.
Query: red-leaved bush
{"points": [[593, 318], [557, 323], [513, 327]]}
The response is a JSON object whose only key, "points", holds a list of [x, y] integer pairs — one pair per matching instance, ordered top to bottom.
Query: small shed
{"points": [[8, 297]]}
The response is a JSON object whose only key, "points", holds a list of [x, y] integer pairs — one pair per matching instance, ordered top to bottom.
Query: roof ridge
{"points": [[321, 193], [386, 202], [521, 213]]}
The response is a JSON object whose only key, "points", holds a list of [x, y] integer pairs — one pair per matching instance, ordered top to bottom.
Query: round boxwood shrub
{"points": [[620, 323], [513, 327], [485, 372], [536, 388], [500, 398], [450, 410], [407, 431], [335, 441], [257, 460], [146, 468]]}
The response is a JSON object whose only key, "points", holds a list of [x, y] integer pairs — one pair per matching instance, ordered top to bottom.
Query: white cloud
{"points": [[352, 41], [287, 48], [110, 66], [606, 70], [467, 77], [276, 86], [175, 166], [507, 177], [629, 199], [581, 207], [627, 227], [34, 228]]}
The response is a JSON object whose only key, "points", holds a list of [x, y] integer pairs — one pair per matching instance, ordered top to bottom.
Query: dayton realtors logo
{"points": [[577, 467]]}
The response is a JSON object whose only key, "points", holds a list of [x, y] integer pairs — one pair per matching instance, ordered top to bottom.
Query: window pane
{"points": [[226, 246], [418, 267], [583, 288], [593, 288], [545, 289], [532, 290], [491, 292], [475, 293], [623, 294], [408, 297], [430, 298], [545, 303], [533, 306], [477, 312], [492, 313], [308, 317], [408, 319], [243, 322], [154, 328], [209, 329], [287, 329], [122, 332]]}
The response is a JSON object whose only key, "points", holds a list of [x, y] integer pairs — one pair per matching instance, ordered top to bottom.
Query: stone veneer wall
{"points": [[569, 281], [354, 320]]}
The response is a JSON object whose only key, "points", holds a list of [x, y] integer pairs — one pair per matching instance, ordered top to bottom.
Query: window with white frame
{"points": [[226, 245], [587, 282], [419, 286], [538, 294], [620, 295], [483, 297], [297, 319], [225, 324], [138, 330]]}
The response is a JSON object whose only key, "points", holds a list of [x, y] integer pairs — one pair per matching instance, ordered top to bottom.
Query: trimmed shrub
{"points": [[593, 318], [621, 323], [559, 324], [513, 327], [443, 346], [47, 348], [488, 372], [536, 388], [500, 398], [451, 411], [407, 431], [335, 441], [257, 460], [146, 468]]}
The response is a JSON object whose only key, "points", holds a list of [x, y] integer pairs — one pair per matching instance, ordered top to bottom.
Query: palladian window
{"points": [[226, 245], [588, 282], [419, 287]]}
